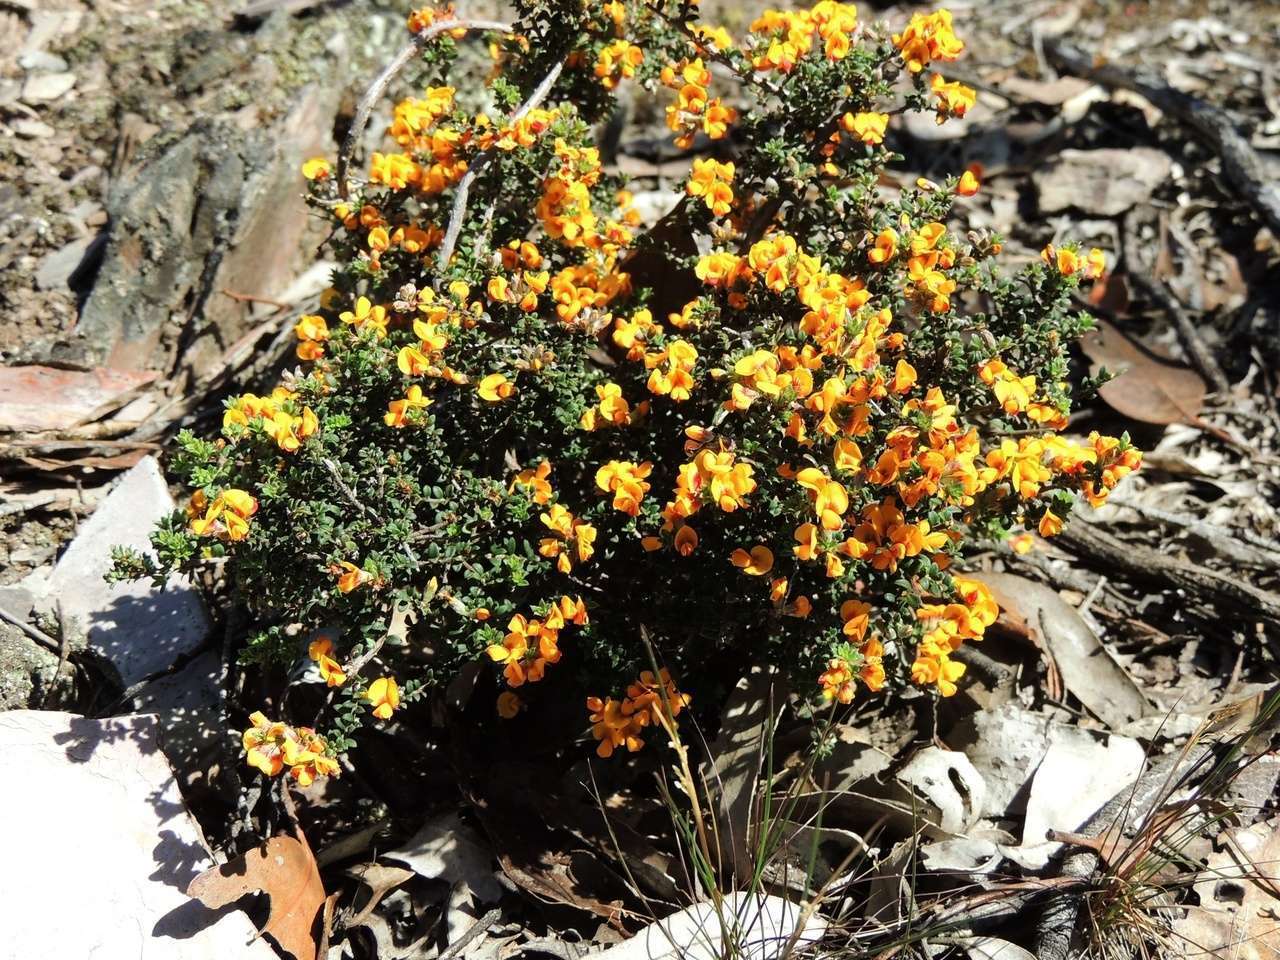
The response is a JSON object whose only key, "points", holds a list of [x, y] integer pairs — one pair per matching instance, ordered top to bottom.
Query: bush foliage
{"points": [[529, 432]]}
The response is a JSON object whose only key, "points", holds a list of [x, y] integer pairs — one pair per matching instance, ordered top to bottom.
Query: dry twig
{"points": [[379, 86], [459, 211], [1146, 565], [35, 633]]}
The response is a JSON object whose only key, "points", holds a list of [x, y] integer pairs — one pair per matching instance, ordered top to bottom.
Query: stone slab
{"points": [[138, 628], [98, 847]]}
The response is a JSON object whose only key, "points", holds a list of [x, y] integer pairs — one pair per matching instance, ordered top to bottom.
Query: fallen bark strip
{"points": [[1240, 163], [1233, 546], [1154, 567], [35, 633]]}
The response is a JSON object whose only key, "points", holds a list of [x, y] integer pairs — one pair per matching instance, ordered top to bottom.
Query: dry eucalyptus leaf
{"points": [[1050, 93], [1103, 183], [1148, 388], [1087, 669], [750, 715], [1080, 771], [351, 845], [449, 850], [282, 868], [381, 880]]}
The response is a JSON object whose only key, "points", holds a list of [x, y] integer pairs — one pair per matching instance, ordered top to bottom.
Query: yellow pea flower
{"points": [[867, 127], [317, 168], [886, 246], [495, 388], [398, 410], [1050, 524], [1021, 543], [807, 546], [756, 563], [349, 575], [330, 670], [384, 696]]}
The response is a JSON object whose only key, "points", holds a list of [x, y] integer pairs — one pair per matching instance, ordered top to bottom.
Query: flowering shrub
{"points": [[532, 434]]}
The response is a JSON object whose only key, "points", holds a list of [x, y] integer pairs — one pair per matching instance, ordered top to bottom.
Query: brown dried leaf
{"points": [[1051, 93], [1148, 388], [1087, 669], [533, 854], [282, 868], [559, 877], [381, 880]]}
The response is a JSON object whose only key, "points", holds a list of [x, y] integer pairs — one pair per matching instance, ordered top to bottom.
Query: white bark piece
{"points": [[1080, 772], [748, 927]]}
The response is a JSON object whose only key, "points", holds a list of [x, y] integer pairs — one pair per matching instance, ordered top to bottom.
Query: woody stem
{"points": [[379, 86], [461, 195]]}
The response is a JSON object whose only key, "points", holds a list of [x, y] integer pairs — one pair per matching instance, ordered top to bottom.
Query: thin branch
{"points": [[705, 47], [379, 86], [460, 196], [251, 298], [1197, 350], [343, 488], [1222, 591], [36, 634], [359, 663], [474, 931]]}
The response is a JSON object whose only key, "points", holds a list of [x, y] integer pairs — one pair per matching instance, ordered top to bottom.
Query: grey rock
{"points": [[47, 25], [41, 61], [46, 87], [30, 128], [1104, 182], [218, 208], [56, 269], [139, 630], [27, 669], [101, 827]]}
